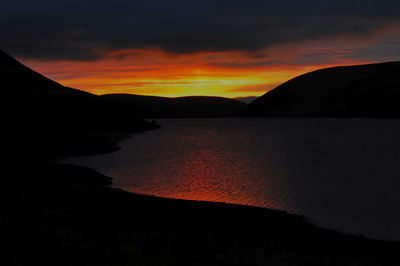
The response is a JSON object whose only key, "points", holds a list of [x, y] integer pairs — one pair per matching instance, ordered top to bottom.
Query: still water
{"points": [[344, 174]]}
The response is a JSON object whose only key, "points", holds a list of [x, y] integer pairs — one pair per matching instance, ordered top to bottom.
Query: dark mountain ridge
{"points": [[371, 90], [247, 99], [179, 107], [45, 119]]}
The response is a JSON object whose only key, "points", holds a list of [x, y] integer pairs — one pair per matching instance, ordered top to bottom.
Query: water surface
{"points": [[342, 173]]}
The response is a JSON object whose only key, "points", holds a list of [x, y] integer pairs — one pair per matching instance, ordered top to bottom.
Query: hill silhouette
{"points": [[371, 90], [247, 99], [180, 107], [45, 119], [57, 214]]}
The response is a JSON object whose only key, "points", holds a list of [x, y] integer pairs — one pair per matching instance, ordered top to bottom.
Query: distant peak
{"points": [[7, 60]]}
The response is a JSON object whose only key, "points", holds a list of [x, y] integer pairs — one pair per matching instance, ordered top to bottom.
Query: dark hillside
{"points": [[352, 91], [180, 107], [45, 119]]}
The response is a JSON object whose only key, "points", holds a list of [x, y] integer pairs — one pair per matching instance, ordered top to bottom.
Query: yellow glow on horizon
{"points": [[153, 72]]}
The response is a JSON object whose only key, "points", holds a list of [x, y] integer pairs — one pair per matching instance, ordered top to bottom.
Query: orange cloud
{"points": [[229, 74]]}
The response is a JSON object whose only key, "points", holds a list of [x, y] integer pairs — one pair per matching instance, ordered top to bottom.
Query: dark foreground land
{"points": [[68, 215]]}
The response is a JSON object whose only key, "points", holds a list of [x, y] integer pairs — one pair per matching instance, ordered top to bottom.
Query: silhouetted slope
{"points": [[353, 91], [247, 99], [192, 106], [46, 119]]}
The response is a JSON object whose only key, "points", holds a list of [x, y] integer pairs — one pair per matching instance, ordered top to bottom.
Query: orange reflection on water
{"points": [[206, 171]]}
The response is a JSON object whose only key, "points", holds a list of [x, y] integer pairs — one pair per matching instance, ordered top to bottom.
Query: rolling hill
{"points": [[371, 90], [247, 99], [180, 107], [45, 119]]}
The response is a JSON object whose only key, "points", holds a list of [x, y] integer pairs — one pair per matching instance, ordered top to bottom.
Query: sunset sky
{"points": [[176, 48]]}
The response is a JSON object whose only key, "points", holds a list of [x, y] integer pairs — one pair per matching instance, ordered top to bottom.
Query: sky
{"points": [[209, 47]]}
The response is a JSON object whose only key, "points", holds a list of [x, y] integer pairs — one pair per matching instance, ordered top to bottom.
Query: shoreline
{"points": [[164, 193], [69, 215], [83, 215]]}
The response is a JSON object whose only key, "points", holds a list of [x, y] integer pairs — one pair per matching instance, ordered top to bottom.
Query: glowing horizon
{"points": [[197, 48], [154, 72]]}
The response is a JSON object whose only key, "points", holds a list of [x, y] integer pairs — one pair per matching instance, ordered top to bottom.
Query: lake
{"points": [[343, 174]]}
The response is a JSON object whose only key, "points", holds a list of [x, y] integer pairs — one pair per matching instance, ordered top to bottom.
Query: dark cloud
{"points": [[82, 30]]}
